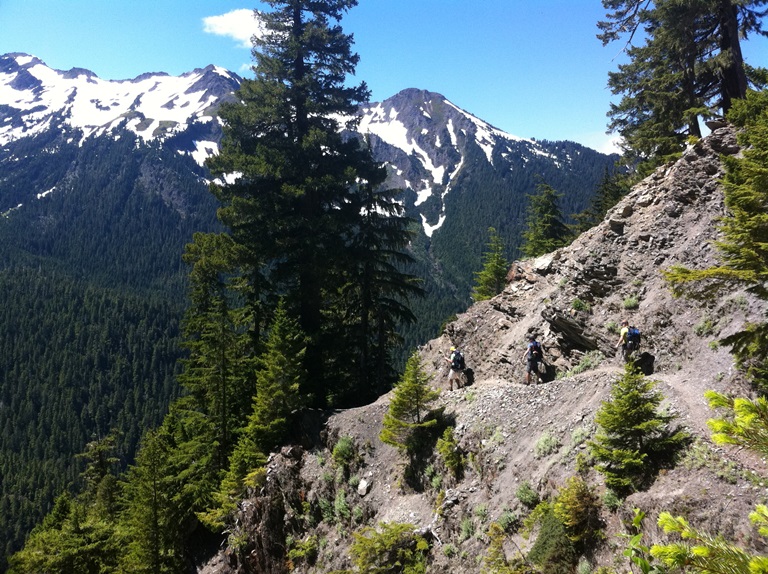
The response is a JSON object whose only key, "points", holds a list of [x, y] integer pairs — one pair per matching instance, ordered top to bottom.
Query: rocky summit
{"points": [[572, 300]]}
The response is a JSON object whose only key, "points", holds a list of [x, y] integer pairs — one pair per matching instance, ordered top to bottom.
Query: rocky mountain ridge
{"points": [[612, 271]]}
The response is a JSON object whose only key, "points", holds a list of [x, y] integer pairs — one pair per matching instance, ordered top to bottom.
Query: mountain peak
{"points": [[153, 105]]}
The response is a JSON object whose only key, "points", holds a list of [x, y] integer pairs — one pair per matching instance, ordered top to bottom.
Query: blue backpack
{"points": [[633, 338]]}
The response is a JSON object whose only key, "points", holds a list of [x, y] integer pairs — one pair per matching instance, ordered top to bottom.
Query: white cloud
{"points": [[240, 25], [599, 141]]}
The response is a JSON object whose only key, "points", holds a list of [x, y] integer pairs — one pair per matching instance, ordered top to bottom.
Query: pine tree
{"points": [[690, 66], [612, 188], [289, 210], [545, 230], [490, 280], [373, 303], [217, 371], [278, 381], [410, 401], [634, 439], [150, 522], [495, 561]]}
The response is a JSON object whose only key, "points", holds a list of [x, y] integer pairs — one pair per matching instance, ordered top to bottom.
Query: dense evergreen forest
{"points": [[93, 291], [76, 362]]}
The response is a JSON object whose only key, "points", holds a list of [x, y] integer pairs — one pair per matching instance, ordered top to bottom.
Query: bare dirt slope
{"points": [[572, 300]]}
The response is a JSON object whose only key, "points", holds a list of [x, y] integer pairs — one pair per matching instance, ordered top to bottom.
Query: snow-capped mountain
{"points": [[35, 98], [428, 142], [460, 174]]}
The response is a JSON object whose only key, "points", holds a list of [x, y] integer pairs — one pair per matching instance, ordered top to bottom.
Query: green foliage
{"points": [[689, 64], [308, 215], [545, 230], [490, 280], [630, 303], [579, 305], [80, 361], [589, 361], [410, 402], [745, 423], [633, 438], [546, 445], [344, 453], [451, 454], [527, 495], [611, 500], [341, 507], [578, 508], [508, 521], [466, 528], [393, 547], [304, 551], [553, 551], [699, 552], [638, 553], [495, 561]]}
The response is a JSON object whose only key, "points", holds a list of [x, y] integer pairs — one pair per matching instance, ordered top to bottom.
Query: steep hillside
{"points": [[500, 423]]}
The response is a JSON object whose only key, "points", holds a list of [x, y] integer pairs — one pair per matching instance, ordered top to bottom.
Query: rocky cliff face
{"points": [[572, 300]]}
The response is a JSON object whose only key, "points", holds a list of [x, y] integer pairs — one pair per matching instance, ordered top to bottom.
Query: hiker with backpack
{"points": [[629, 340], [533, 355], [457, 366]]}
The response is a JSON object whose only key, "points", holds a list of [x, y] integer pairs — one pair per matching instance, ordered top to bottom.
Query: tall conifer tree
{"points": [[689, 65], [288, 208], [545, 230]]}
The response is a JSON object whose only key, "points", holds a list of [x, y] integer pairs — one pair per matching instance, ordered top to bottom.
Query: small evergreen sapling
{"points": [[490, 281], [409, 407], [633, 438]]}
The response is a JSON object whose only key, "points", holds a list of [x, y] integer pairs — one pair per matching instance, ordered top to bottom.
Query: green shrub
{"points": [[631, 303], [579, 305], [705, 328], [588, 361], [634, 438], [546, 445], [344, 453], [450, 453], [527, 496], [611, 500], [340, 506], [578, 508], [326, 509], [481, 511], [357, 514], [508, 521], [466, 529], [394, 543], [450, 550], [303, 551], [553, 551], [584, 567]]}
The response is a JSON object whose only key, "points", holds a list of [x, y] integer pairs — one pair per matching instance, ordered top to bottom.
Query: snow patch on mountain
{"points": [[36, 97]]}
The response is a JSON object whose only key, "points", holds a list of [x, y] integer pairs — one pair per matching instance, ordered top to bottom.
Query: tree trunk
{"points": [[733, 84]]}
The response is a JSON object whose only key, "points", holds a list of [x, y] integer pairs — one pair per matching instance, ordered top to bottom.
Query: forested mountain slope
{"points": [[516, 437]]}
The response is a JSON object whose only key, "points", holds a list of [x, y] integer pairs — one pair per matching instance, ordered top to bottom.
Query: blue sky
{"points": [[533, 68]]}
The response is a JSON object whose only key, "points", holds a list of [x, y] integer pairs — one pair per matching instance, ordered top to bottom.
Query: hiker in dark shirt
{"points": [[533, 355]]}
